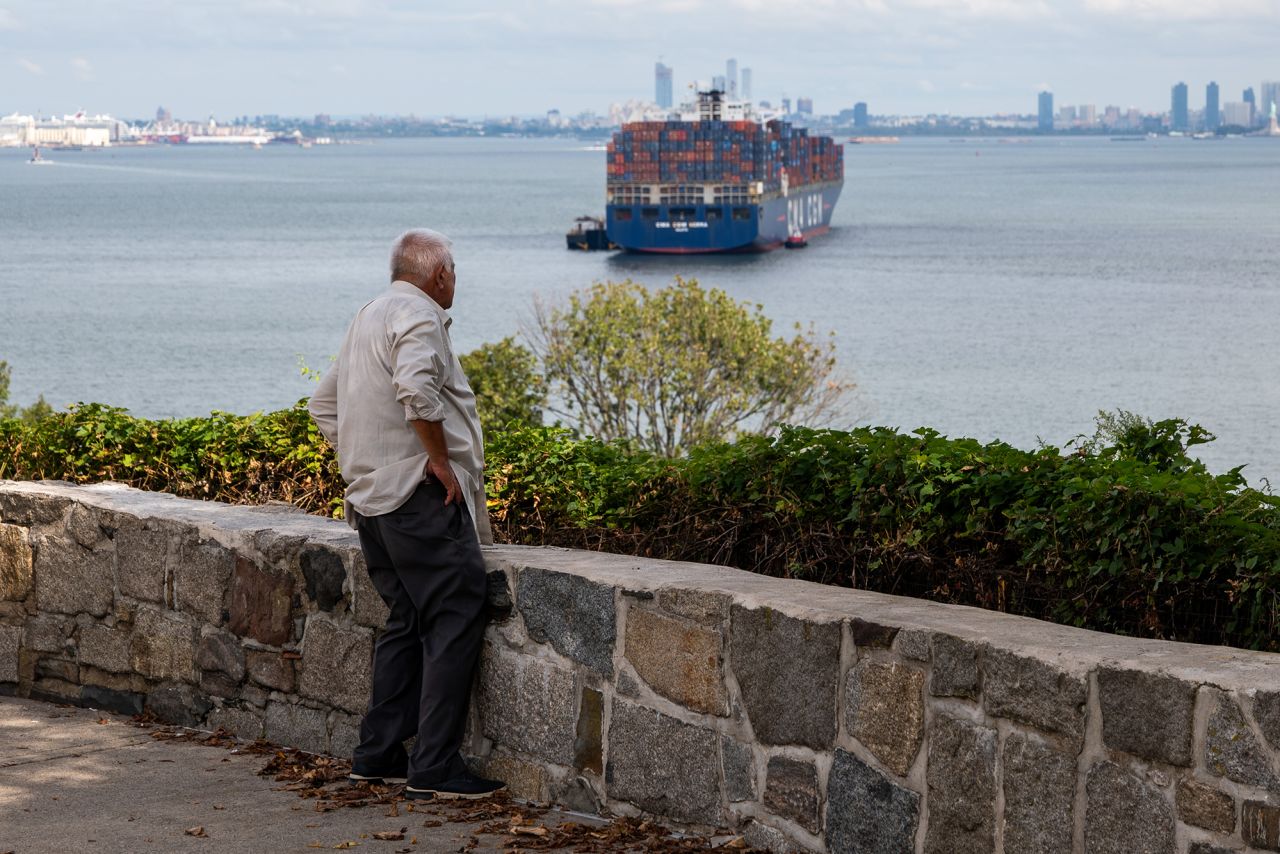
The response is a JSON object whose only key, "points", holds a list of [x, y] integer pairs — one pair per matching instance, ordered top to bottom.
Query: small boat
{"points": [[36, 159], [589, 234], [795, 241]]}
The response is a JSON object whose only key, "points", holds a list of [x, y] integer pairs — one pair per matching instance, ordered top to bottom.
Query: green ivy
{"points": [[1125, 533]]}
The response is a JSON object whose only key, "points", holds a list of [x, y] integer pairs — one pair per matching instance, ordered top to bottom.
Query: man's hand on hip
{"points": [[431, 434], [443, 472]]}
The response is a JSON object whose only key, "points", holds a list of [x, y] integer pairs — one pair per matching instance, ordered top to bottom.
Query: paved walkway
{"points": [[80, 780]]}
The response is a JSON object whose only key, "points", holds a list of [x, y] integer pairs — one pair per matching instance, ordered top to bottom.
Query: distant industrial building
{"points": [[731, 77], [745, 86], [662, 88], [786, 106], [804, 106], [1046, 111], [163, 116], [1212, 118], [1179, 119], [79, 130]]}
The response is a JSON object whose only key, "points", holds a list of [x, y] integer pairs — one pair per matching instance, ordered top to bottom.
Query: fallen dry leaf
{"points": [[103, 721], [529, 830], [196, 831], [390, 835]]}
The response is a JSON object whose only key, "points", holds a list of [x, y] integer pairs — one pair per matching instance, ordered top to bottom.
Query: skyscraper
{"points": [[731, 77], [719, 83], [662, 85], [745, 86], [1249, 98], [804, 106], [1046, 111], [860, 114], [1237, 114], [1212, 118], [1179, 119]]}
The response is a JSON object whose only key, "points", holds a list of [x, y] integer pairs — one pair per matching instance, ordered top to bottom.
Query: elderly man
{"points": [[397, 407]]}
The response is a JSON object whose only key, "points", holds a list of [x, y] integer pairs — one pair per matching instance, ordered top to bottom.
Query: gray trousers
{"points": [[424, 560]]}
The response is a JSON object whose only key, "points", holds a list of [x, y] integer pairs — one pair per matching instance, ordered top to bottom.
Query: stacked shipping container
{"points": [[722, 152]]}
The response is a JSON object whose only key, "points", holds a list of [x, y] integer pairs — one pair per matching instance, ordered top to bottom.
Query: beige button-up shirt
{"points": [[397, 365]]}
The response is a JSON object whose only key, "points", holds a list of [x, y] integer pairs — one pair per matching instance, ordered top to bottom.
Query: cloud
{"points": [[1007, 10], [1186, 10], [8, 21], [30, 67], [82, 69]]}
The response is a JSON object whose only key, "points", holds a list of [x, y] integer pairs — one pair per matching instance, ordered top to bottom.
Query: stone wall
{"points": [[805, 717]]}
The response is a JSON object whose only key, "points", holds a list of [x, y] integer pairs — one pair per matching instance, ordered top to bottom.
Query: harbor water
{"points": [[991, 289]]}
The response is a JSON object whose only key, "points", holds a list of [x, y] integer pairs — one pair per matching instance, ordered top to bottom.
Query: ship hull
{"points": [[683, 229]]}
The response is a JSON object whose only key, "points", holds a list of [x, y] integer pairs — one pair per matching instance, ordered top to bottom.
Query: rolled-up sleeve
{"points": [[419, 365], [323, 405]]}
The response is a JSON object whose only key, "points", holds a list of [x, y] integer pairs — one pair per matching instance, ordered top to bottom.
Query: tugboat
{"points": [[589, 234], [795, 241]]}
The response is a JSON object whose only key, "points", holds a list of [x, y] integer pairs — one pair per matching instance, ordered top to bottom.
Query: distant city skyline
{"points": [[350, 57]]}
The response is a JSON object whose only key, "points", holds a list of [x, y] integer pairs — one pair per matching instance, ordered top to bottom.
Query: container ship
{"points": [[719, 179]]}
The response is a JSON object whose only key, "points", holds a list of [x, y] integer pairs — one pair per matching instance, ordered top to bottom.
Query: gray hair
{"points": [[419, 252]]}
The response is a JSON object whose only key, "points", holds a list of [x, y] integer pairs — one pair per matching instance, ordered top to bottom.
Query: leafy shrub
{"points": [[680, 366], [507, 383], [35, 411], [276, 456], [1125, 534]]}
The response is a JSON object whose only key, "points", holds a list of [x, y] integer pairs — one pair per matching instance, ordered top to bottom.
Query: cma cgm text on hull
{"points": [[719, 179]]}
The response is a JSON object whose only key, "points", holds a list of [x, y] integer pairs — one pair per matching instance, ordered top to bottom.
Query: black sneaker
{"points": [[361, 774], [467, 786]]}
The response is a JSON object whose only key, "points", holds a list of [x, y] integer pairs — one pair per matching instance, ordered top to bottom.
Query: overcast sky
{"points": [[298, 57]]}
